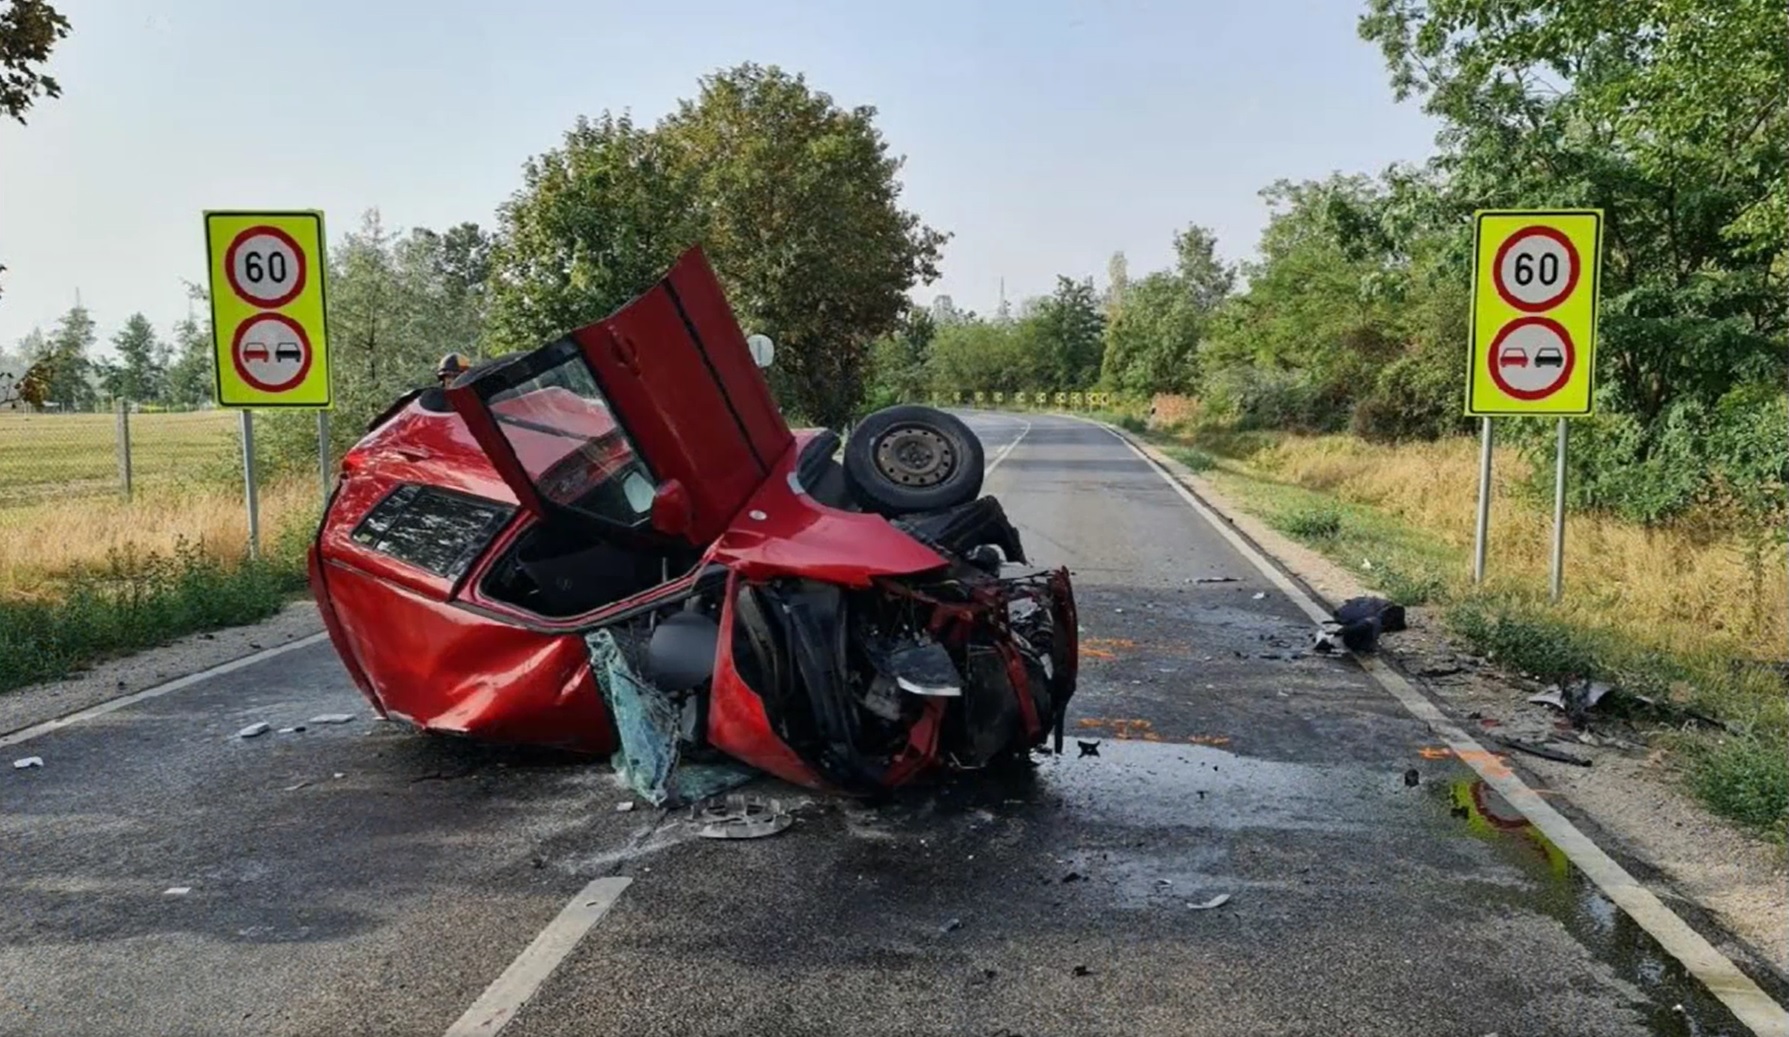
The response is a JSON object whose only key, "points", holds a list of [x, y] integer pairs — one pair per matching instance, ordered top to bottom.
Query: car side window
{"points": [[436, 530]]}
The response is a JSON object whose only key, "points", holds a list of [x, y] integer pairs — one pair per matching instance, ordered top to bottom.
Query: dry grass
{"points": [[52, 456], [42, 545], [1667, 588]]}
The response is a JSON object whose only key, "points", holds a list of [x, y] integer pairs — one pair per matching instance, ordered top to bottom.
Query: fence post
{"points": [[122, 408]]}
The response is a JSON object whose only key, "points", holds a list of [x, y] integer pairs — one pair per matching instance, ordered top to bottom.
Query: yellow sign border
{"points": [[217, 282], [1586, 349]]}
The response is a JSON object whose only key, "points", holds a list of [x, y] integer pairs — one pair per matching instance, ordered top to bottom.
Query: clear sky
{"points": [[1044, 135]]}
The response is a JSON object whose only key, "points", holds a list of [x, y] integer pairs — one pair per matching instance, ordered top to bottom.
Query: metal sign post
{"points": [[1534, 299], [267, 317], [323, 452], [248, 482], [1484, 503], [1558, 581]]}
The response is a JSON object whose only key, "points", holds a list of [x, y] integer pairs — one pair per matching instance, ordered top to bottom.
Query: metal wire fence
{"points": [[48, 456]]}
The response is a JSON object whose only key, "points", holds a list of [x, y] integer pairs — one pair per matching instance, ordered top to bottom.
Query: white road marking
{"points": [[1007, 449], [25, 734], [510, 991], [1749, 1003]]}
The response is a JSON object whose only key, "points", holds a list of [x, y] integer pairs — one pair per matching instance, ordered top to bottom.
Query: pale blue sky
{"points": [[1044, 135]]}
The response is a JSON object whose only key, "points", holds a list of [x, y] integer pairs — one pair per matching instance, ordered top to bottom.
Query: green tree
{"points": [[29, 31], [1669, 115], [800, 211], [596, 221], [1065, 332], [1152, 344], [984, 356], [900, 361], [67, 368], [139, 375], [191, 379]]}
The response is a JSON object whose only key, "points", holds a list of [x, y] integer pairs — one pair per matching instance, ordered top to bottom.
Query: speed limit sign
{"points": [[267, 308]]}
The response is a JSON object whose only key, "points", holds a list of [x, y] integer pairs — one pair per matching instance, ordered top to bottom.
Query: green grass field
{"points": [[45, 457]]}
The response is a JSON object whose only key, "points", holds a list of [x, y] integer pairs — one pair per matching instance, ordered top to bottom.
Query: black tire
{"points": [[908, 458]]}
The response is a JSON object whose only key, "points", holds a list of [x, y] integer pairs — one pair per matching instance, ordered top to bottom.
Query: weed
{"points": [[1133, 424], [1193, 458], [1311, 522], [1412, 586], [1525, 641], [1745, 778]]}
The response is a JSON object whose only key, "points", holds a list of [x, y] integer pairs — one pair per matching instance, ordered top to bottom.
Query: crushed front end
{"points": [[854, 689]]}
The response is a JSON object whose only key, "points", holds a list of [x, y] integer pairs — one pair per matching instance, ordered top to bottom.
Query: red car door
{"points": [[659, 399]]}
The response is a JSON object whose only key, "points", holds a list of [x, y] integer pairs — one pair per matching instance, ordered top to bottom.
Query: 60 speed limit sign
{"points": [[1534, 298], [267, 308]]}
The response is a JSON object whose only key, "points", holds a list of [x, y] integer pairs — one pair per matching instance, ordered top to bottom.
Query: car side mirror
{"points": [[763, 350], [671, 508]]}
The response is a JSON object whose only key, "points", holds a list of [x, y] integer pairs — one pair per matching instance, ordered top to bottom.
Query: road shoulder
{"points": [[127, 675], [1736, 878]]}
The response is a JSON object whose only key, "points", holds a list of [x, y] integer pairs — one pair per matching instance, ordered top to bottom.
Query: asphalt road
{"points": [[160, 876]]}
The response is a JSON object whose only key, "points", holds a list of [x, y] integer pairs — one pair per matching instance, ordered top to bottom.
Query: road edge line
{"points": [[988, 469], [25, 734], [523, 978], [1743, 997]]}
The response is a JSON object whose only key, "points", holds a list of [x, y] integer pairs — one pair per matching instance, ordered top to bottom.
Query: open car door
{"points": [[652, 424]]}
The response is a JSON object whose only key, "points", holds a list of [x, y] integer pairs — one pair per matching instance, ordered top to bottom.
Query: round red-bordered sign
{"points": [[1559, 243], [297, 261], [1524, 349], [265, 362]]}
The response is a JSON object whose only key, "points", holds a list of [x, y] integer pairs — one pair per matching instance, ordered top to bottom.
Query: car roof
{"points": [[433, 447]]}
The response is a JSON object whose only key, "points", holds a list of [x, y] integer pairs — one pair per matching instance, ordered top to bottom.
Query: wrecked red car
{"points": [[615, 544]]}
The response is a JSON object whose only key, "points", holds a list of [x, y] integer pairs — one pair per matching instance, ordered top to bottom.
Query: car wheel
{"points": [[909, 458]]}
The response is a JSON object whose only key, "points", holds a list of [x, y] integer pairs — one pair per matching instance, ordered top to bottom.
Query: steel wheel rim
{"points": [[912, 455]]}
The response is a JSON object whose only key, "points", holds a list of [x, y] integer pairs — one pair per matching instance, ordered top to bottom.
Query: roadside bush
{"points": [[1416, 397], [1256, 398], [141, 599]]}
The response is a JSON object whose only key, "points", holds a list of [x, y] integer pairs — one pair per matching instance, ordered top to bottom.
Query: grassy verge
{"points": [[85, 579], [1667, 613]]}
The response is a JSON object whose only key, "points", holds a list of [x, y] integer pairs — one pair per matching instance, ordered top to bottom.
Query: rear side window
{"points": [[432, 529]]}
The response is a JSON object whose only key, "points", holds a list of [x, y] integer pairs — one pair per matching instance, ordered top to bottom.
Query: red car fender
{"points": [[737, 723]]}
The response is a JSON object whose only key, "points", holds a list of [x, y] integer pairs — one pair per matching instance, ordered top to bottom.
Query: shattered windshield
{"points": [[574, 451]]}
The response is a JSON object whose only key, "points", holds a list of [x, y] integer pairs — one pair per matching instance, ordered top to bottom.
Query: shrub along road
{"points": [[164, 876]]}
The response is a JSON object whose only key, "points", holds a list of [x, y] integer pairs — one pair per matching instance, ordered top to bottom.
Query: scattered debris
{"points": [[1216, 579], [1258, 595], [1358, 623], [1440, 669], [332, 718], [296, 729], [255, 730], [1088, 748], [1541, 751], [27, 763], [338, 775], [1412, 777], [296, 786], [624, 806], [740, 816], [1073, 876], [177, 891], [1218, 901], [951, 926], [1082, 970]]}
